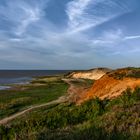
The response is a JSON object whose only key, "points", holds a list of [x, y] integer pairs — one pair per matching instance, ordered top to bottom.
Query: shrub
{"points": [[130, 97], [6, 133]]}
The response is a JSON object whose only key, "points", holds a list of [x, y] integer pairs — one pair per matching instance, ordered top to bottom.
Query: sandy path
{"points": [[75, 91], [72, 95], [7, 119]]}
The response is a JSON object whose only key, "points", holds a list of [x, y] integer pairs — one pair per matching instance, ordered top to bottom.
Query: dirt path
{"points": [[76, 90], [73, 93], [7, 119]]}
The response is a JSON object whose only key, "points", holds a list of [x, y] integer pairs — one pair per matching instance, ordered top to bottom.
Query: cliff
{"points": [[113, 84]]}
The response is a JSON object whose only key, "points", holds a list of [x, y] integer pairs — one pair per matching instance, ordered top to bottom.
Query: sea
{"points": [[8, 77]]}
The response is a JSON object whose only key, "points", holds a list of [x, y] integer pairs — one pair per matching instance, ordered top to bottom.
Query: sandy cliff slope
{"points": [[93, 74], [113, 84]]}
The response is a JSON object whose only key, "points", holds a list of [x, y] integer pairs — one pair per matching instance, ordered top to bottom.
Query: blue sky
{"points": [[69, 34]]}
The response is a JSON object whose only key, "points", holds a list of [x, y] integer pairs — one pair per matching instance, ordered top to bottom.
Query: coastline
{"points": [[12, 78]]}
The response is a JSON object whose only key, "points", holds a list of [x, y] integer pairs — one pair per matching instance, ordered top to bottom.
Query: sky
{"points": [[69, 34]]}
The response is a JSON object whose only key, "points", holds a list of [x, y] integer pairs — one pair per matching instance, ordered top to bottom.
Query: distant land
{"points": [[21, 76]]}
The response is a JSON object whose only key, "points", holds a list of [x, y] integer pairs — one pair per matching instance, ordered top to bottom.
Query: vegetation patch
{"points": [[123, 73], [12, 101], [95, 120]]}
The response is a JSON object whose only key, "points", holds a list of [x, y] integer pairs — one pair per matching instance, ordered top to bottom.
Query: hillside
{"points": [[93, 74], [113, 83], [99, 118], [96, 119]]}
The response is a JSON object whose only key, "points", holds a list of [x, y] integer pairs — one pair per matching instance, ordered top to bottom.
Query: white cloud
{"points": [[75, 10], [21, 14], [30, 15], [131, 37], [108, 38], [15, 39]]}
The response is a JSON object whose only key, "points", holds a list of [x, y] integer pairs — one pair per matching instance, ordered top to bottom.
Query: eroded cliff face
{"points": [[93, 74], [112, 85]]}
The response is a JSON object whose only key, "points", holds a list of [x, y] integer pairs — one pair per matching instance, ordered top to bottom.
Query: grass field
{"points": [[17, 99]]}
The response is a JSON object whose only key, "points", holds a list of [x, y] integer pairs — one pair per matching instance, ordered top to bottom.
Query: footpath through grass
{"points": [[12, 101]]}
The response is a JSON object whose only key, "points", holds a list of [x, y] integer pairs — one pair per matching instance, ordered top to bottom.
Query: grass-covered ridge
{"points": [[125, 73], [95, 120]]}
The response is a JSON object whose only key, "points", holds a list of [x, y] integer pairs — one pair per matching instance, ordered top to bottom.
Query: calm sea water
{"points": [[23, 76]]}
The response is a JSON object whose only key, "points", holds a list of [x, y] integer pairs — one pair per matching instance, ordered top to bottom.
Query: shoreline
{"points": [[9, 79], [28, 81]]}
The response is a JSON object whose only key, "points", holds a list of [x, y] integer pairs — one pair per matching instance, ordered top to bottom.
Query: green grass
{"points": [[131, 72], [46, 79], [12, 101], [93, 120]]}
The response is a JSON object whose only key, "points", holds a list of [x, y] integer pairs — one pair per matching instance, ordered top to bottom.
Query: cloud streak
{"points": [[75, 10], [85, 14], [20, 15], [31, 15], [132, 37]]}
